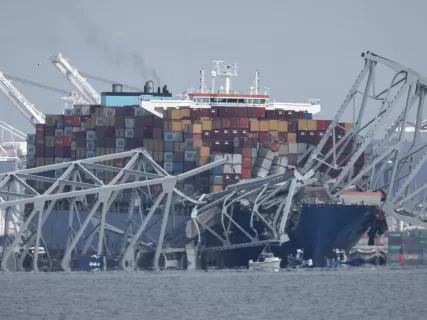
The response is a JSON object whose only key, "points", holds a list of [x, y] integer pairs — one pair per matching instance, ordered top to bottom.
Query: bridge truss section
{"points": [[386, 99], [79, 188]]}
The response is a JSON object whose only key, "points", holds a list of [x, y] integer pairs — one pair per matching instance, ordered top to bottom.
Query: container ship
{"points": [[258, 136]]}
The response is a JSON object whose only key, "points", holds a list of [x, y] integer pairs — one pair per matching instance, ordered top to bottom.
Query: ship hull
{"points": [[322, 228], [318, 231]]}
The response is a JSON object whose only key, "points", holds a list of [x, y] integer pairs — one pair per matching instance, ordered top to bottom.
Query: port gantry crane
{"points": [[76, 79], [23, 105], [394, 165]]}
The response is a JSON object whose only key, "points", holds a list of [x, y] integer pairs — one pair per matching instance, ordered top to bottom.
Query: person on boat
{"points": [[299, 254]]}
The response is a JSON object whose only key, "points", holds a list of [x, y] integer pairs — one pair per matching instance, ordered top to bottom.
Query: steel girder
{"points": [[396, 161], [76, 182]]}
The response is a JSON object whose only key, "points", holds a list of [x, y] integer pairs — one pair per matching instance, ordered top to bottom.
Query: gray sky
{"points": [[302, 49]]}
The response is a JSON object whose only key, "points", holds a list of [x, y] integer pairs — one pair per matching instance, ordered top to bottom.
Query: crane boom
{"points": [[75, 78], [23, 105]]}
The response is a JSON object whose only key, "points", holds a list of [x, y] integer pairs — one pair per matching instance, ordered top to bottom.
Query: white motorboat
{"points": [[266, 261]]}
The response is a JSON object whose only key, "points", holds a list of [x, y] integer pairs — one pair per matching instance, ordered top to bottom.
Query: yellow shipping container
{"points": [[185, 113], [176, 114], [50, 119], [90, 123], [184, 123], [302, 124], [207, 125], [254, 125], [273, 125], [312, 125], [348, 125], [176, 126], [264, 126], [282, 126], [197, 128], [274, 133], [292, 137], [148, 144], [110, 151], [203, 151], [49, 161], [201, 161], [216, 188]]}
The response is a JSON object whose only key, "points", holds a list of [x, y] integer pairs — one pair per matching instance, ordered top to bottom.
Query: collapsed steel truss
{"points": [[382, 116], [78, 179]]}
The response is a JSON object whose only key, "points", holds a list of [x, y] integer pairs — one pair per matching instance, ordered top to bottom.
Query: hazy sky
{"points": [[302, 49]]}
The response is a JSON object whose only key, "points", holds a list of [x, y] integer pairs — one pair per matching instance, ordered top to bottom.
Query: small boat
{"points": [[266, 261]]}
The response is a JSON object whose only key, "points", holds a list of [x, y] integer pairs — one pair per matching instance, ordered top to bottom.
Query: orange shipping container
{"points": [[185, 113], [176, 114], [302, 124], [207, 125], [273, 125], [312, 125], [176, 126], [254, 126], [264, 126], [282, 126], [197, 128], [274, 133], [292, 137], [201, 161], [216, 188]]}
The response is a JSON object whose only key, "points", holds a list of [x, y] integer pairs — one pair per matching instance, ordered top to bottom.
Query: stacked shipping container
{"points": [[184, 139], [414, 245]]}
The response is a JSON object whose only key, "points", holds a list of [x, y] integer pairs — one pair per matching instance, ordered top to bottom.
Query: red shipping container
{"points": [[204, 112], [251, 112], [260, 112], [76, 121], [225, 123], [234, 123], [244, 123], [216, 124], [235, 133], [243, 133], [216, 134], [226, 134], [197, 136], [262, 136], [40, 141], [66, 141], [247, 152], [247, 163], [246, 173]]}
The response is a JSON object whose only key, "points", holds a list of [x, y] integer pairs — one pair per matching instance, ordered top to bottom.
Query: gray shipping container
{"points": [[68, 112], [110, 112], [139, 112], [100, 121], [130, 123], [68, 131], [59, 132], [129, 133], [90, 135], [31, 139], [120, 143], [189, 144], [73, 145], [90, 145], [168, 146], [293, 148], [302, 148], [120, 149], [284, 149], [31, 150], [254, 153], [266, 153], [90, 154], [190, 155], [168, 157], [229, 158], [237, 159], [31, 163], [263, 163], [168, 166], [228, 168], [237, 168], [275, 169], [259, 172], [215, 180], [188, 189]]}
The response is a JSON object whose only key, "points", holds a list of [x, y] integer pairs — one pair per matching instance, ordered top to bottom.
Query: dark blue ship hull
{"points": [[322, 228]]}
